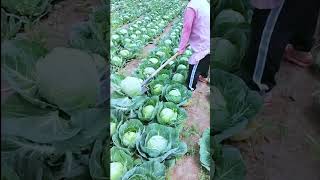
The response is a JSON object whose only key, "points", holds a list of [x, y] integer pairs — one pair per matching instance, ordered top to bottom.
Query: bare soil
{"points": [[57, 25], [280, 151], [189, 167]]}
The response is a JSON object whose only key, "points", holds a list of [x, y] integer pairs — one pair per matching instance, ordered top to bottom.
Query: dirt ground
{"points": [[280, 151]]}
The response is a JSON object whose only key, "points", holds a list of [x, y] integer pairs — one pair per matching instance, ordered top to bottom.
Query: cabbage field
{"points": [[148, 138]]}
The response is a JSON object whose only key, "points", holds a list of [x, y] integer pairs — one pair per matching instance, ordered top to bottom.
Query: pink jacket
{"points": [[266, 4], [196, 30]]}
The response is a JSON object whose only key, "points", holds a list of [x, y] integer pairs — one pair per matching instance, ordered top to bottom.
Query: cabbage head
{"points": [[154, 60], [116, 61], [181, 67], [148, 71], [68, 78], [178, 78], [131, 86], [157, 89], [177, 93], [149, 109], [170, 114], [127, 134], [159, 142], [120, 162], [117, 170]]}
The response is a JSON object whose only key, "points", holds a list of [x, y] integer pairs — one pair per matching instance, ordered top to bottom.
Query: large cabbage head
{"points": [[68, 78], [131, 86], [167, 116], [157, 144], [117, 170]]}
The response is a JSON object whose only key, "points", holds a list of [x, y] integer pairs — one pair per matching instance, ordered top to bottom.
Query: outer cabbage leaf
{"points": [[234, 104], [121, 136], [205, 155], [150, 170]]}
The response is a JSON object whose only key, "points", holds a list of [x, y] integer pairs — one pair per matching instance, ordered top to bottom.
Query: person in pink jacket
{"points": [[279, 28], [196, 32]]}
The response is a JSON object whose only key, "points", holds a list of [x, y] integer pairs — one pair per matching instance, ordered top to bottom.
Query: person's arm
{"points": [[187, 27]]}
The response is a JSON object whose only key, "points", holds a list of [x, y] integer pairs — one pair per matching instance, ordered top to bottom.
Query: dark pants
{"points": [[295, 24], [201, 68]]}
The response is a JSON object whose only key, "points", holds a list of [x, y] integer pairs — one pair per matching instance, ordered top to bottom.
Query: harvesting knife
{"points": [[144, 87]]}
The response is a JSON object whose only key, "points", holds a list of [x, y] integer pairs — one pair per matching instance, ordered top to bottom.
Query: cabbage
{"points": [[143, 29], [123, 31], [138, 32], [133, 36], [115, 37], [127, 40], [168, 42], [124, 53], [160, 53], [188, 53], [184, 59], [154, 60], [116, 61], [181, 67], [148, 71], [68, 78], [178, 78], [131, 86], [157, 89], [175, 92], [149, 108], [147, 111], [167, 116], [127, 134], [129, 139], [158, 143], [117, 170]]}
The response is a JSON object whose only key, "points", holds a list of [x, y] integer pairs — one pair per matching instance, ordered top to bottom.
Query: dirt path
{"points": [[281, 151], [189, 168]]}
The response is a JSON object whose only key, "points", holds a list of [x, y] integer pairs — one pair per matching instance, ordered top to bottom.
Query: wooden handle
{"points": [[160, 68]]}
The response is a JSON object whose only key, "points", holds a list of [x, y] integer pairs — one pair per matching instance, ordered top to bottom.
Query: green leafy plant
{"points": [[177, 93], [170, 114], [159, 142]]}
